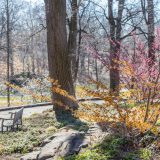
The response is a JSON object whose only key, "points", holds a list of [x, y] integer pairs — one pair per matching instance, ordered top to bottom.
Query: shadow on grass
{"points": [[68, 119], [75, 141], [116, 147]]}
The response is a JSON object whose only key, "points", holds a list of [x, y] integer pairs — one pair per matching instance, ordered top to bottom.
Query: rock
{"points": [[47, 140], [66, 142], [63, 145], [31, 156]]}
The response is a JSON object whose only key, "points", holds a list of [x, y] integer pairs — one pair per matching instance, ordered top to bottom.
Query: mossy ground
{"points": [[35, 129], [114, 148]]}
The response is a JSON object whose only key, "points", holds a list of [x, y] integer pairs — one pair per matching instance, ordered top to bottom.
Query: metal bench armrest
{"points": [[7, 119]]}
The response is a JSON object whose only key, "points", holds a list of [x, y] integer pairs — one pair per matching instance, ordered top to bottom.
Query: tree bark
{"points": [[149, 20], [151, 30], [72, 40], [115, 40], [8, 51], [58, 55]]}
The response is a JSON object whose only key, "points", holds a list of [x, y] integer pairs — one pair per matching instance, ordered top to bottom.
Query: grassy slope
{"points": [[39, 126], [35, 130], [114, 148]]}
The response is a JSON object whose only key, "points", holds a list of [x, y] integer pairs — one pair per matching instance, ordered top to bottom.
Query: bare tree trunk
{"points": [[151, 27], [151, 30], [115, 38], [72, 40], [8, 51], [78, 53], [32, 55], [58, 55], [11, 59], [88, 66], [96, 69], [114, 73]]}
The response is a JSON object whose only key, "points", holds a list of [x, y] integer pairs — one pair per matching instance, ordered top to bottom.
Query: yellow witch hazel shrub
{"points": [[137, 106], [133, 107], [125, 108]]}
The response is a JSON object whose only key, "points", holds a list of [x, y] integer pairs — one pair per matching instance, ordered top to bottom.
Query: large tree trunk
{"points": [[149, 20], [151, 30], [115, 39], [72, 40], [58, 55], [114, 74]]}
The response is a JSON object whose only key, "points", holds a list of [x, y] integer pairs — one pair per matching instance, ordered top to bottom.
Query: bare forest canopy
{"points": [[94, 30], [94, 61]]}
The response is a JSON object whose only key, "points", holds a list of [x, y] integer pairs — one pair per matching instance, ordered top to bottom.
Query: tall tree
{"points": [[12, 8], [148, 14], [151, 30], [115, 39], [72, 40], [8, 50], [58, 55]]}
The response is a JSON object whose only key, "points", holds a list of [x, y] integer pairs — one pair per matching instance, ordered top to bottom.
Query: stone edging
{"points": [[25, 106]]}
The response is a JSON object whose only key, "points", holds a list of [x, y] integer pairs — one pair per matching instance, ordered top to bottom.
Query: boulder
{"points": [[66, 142], [62, 145]]}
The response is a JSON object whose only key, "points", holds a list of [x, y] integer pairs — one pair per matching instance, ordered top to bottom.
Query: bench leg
{"points": [[17, 126]]}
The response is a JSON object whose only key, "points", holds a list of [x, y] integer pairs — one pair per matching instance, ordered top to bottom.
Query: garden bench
{"points": [[12, 123]]}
